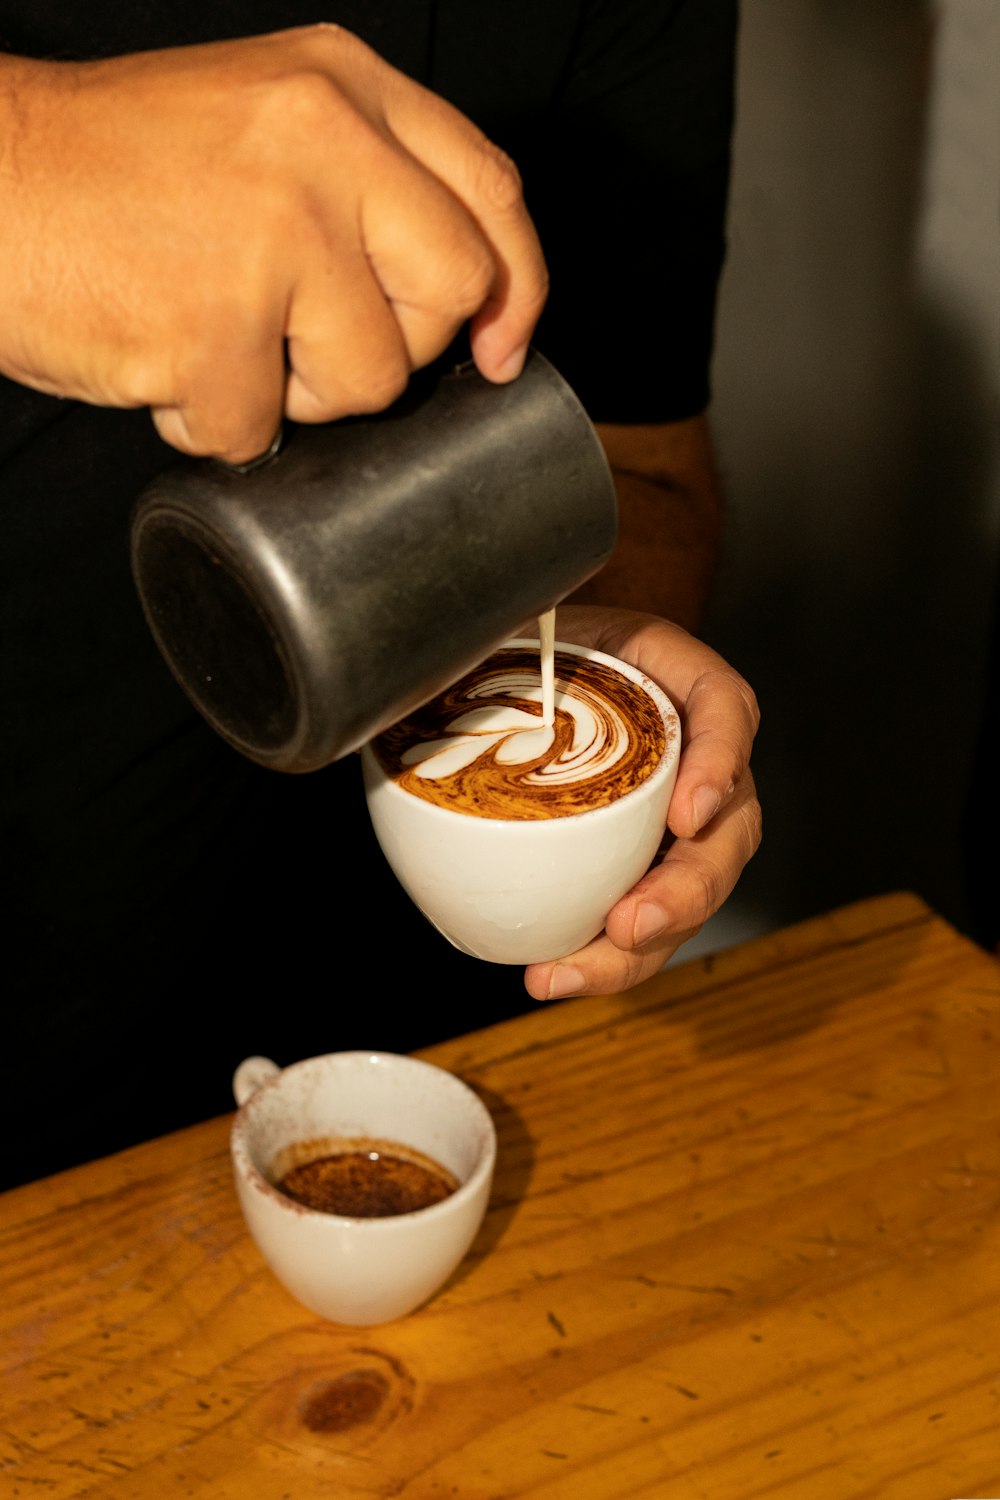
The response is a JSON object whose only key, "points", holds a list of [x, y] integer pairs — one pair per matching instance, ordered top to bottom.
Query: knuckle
{"points": [[325, 32], [335, 42], [303, 99], [305, 104], [498, 181], [459, 278], [470, 279], [536, 294], [377, 386], [726, 680], [721, 688], [750, 700], [751, 820], [708, 891], [631, 968]]}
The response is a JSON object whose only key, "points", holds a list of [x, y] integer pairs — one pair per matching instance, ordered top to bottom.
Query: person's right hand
{"points": [[275, 226]]}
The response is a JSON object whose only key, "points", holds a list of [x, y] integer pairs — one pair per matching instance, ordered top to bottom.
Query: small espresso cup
{"points": [[514, 839], [351, 1267]]}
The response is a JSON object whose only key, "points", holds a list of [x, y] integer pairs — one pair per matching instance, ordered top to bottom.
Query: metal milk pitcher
{"points": [[308, 600]]}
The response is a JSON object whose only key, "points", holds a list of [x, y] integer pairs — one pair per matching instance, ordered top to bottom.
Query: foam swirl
{"points": [[481, 747]]}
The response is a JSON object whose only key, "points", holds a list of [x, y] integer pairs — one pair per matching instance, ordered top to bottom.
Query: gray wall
{"points": [[855, 413]]}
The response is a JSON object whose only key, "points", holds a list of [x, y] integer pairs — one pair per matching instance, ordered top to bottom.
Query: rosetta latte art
{"points": [[481, 747]]}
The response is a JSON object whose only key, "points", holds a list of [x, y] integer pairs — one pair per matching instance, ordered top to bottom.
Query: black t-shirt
{"points": [[170, 907]]}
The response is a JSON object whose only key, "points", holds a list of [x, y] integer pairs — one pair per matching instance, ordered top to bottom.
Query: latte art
{"points": [[482, 746]]}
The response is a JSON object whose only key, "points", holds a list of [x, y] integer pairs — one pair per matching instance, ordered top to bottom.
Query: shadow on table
{"points": [[515, 1164]]}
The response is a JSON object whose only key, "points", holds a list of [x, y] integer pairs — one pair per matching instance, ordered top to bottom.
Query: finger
{"points": [[488, 185], [431, 260], [380, 298], [502, 328], [352, 347], [346, 351], [230, 406], [719, 708], [721, 718], [692, 880], [667, 908], [599, 969]]}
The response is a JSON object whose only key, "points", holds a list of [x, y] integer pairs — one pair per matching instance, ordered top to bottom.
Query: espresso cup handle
{"points": [[250, 1075]]}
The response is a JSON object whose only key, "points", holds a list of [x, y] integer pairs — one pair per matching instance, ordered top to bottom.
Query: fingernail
{"points": [[512, 365], [704, 805], [650, 921], [565, 981]]}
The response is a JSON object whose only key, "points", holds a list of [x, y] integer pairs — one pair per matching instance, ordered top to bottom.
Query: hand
{"points": [[229, 233], [714, 815]]}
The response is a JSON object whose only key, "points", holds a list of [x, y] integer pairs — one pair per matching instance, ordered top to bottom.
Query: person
{"points": [[217, 217]]}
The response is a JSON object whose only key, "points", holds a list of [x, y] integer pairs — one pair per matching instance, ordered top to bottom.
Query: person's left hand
{"points": [[714, 819]]}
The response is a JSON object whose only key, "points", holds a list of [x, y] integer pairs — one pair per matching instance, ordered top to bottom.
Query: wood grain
{"points": [[744, 1241]]}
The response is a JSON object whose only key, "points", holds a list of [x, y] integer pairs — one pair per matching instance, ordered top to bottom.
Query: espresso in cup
{"points": [[482, 748], [516, 818], [361, 1178]]}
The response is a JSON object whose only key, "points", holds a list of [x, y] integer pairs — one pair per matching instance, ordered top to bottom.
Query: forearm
{"points": [[670, 521]]}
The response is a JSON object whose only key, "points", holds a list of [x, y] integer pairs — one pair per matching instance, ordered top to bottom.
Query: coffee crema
{"points": [[481, 747], [361, 1178]]}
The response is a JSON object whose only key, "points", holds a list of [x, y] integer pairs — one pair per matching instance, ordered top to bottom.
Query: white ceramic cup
{"points": [[521, 892], [360, 1271]]}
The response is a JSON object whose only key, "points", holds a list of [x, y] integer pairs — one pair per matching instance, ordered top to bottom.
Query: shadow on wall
{"points": [[853, 411]]}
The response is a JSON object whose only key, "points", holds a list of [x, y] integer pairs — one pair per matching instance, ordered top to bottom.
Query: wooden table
{"points": [[744, 1242]]}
